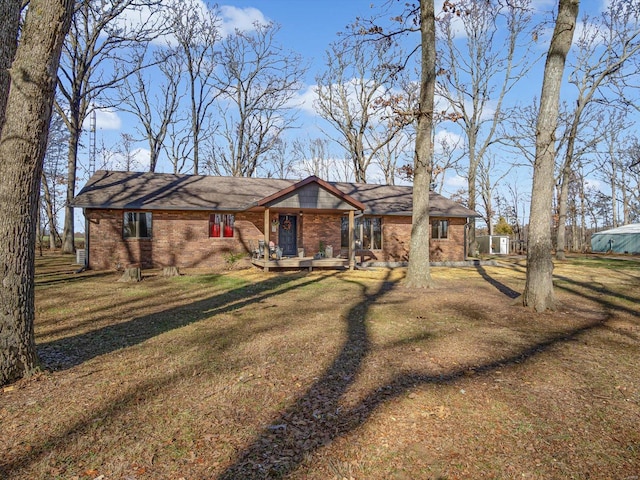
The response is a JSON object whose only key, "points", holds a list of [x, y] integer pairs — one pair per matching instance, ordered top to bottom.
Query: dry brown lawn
{"points": [[324, 375]]}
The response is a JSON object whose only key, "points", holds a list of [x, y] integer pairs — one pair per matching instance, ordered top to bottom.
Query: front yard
{"points": [[323, 375]]}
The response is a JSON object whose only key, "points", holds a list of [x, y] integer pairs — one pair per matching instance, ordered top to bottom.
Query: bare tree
{"points": [[196, 33], [95, 39], [603, 48], [476, 78], [257, 81], [356, 95], [26, 103], [155, 110], [518, 131], [519, 134], [179, 148], [126, 154], [390, 154], [312, 157], [446, 158], [610, 158], [279, 163], [53, 178], [630, 181], [488, 182], [512, 208], [419, 271], [538, 291]]}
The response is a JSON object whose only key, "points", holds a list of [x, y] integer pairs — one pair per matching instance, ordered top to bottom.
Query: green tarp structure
{"points": [[625, 239]]}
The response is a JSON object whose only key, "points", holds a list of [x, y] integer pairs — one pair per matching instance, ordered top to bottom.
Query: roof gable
{"points": [[162, 191], [312, 192]]}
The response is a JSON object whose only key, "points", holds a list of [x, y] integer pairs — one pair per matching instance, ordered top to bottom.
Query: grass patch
{"points": [[631, 263], [323, 375]]}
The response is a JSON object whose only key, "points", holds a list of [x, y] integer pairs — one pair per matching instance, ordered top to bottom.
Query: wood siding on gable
{"points": [[311, 196]]}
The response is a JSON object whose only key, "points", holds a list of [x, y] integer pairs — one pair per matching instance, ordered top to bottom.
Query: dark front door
{"points": [[287, 235]]}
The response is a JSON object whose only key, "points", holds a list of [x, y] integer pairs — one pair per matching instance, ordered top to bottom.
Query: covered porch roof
{"points": [[311, 193]]}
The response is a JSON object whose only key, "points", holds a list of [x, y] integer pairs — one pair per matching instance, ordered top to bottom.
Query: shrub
{"points": [[232, 258]]}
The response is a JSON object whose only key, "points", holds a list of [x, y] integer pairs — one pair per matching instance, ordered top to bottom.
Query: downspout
{"points": [[87, 223], [466, 229]]}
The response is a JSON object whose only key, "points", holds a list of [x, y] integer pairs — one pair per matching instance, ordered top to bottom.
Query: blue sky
{"points": [[308, 27]]}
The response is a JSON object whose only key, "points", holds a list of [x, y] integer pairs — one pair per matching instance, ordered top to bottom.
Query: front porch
{"points": [[310, 216], [300, 263]]}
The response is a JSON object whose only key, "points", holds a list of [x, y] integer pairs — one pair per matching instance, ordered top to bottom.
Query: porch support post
{"points": [[266, 238], [352, 241]]}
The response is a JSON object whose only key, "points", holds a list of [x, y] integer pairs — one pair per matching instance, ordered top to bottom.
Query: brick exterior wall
{"points": [[318, 228], [181, 238], [396, 240], [451, 248]]}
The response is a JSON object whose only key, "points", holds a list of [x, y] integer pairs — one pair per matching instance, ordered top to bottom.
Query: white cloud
{"points": [[543, 5], [230, 18], [243, 19], [457, 27], [304, 100], [106, 119], [450, 139], [141, 158], [113, 160], [456, 182], [593, 184]]}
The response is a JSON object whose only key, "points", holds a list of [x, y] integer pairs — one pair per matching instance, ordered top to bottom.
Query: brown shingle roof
{"points": [[164, 191]]}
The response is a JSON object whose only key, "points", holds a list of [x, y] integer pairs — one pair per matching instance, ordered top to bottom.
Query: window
{"points": [[136, 225], [221, 225], [440, 229], [368, 232]]}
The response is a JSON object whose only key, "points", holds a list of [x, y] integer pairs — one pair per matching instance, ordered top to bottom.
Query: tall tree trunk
{"points": [[10, 15], [195, 123], [23, 145], [613, 182], [625, 198], [563, 199], [583, 216], [51, 219], [68, 232], [472, 245], [419, 273], [538, 290]]}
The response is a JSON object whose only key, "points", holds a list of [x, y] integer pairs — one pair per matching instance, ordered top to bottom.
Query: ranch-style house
{"points": [[158, 220]]}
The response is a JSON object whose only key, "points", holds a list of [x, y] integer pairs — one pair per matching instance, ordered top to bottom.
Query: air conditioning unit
{"points": [[81, 256]]}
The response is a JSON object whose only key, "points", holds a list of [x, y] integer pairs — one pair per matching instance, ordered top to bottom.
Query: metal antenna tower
{"points": [[92, 143]]}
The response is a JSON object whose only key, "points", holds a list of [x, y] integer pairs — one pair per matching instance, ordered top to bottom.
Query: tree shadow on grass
{"points": [[44, 280], [501, 287], [598, 294], [88, 345], [70, 351], [316, 418]]}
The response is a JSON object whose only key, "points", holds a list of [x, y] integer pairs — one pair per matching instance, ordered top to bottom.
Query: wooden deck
{"points": [[300, 263]]}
